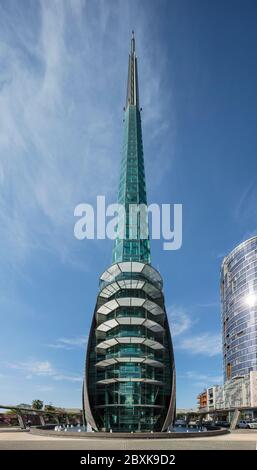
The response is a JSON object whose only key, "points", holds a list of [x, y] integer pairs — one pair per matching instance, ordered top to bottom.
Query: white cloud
{"points": [[58, 116], [44, 172], [246, 205], [221, 255], [209, 305], [180, 321], [69, 343], [207, 344], [33, 368], [68, 378], [201, 380], [44, 388]]}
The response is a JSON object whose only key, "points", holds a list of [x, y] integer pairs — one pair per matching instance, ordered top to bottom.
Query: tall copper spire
{"points": [[132, 87], [132, 187], [130, 382]]}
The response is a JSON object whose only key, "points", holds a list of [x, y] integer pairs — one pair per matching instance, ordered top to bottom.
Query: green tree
{"points": [[37, 404], [50, 407], [11, 412]]}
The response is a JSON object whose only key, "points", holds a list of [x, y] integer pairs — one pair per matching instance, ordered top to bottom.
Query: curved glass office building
{"points": [[239, 310], [129, 380]]}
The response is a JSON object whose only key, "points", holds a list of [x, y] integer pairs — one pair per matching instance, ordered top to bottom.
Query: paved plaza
{"points": [[237, 440]]}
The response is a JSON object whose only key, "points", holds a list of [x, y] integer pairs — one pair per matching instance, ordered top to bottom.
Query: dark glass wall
{"points": [[130, 372]]}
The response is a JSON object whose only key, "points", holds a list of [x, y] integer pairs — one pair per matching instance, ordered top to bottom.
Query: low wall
{"points": [[10, 429], [49, 432]]}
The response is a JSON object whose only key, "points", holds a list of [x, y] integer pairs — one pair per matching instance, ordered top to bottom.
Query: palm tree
{"points": [[37, 404]]}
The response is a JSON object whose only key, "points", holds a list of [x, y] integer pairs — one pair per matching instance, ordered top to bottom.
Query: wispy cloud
{"points": [[58, 123], [49, 163], [247, 202], [245, 211], [208, 305], [180, 320], [69, 343], [207, 344], [33, 368], [68, 378], [201, 380], [44, 388]]}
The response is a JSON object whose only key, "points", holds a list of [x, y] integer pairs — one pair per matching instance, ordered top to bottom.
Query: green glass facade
{"points": [[132, 190], [130, 373]]}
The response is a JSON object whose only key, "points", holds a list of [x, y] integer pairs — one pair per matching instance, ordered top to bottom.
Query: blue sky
{"points": [[62, 91]]}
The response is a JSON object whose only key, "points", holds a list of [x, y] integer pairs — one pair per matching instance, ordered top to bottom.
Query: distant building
{"points": [[239, 310], [239, 332], [239, 392], [212, 394], [207, 399], [202, 400]]}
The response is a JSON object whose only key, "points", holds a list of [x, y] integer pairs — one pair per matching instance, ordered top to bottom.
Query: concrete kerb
{"points": [[48, 431]]}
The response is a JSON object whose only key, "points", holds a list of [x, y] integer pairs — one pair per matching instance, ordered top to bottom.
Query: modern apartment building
{"points": [[239, 310]]}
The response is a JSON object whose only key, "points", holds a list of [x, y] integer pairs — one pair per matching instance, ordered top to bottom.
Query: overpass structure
{"points": [[233, 413], [57, 414], [66, 414]]}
